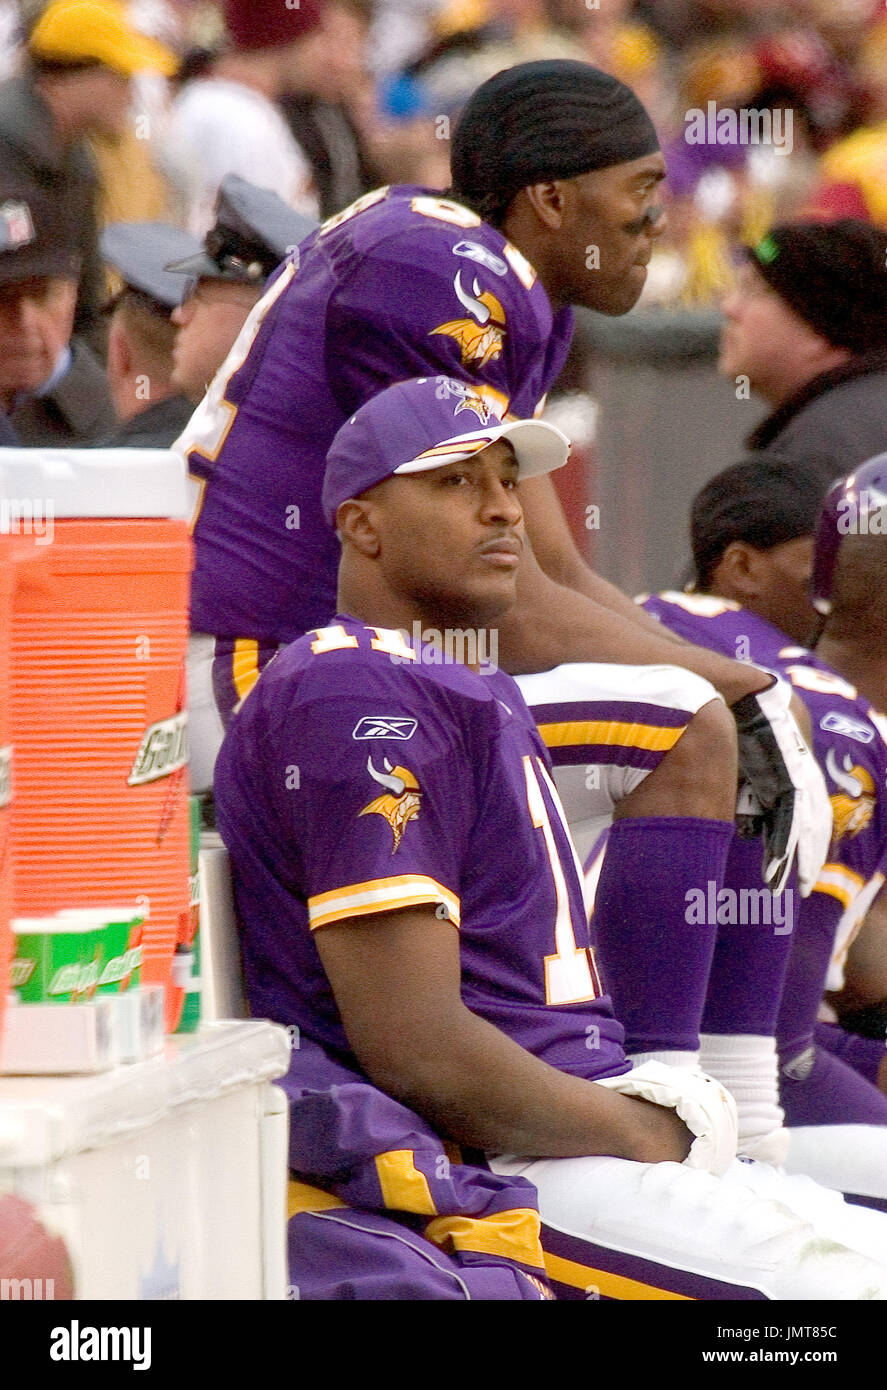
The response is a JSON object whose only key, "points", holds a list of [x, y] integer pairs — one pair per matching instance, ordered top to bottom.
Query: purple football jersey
{"points": [[404, 283], [849, 737], [850, 742], [361, 776]]}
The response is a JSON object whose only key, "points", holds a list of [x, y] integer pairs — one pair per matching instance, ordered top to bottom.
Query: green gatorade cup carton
{"points": [[119, 932], [56, 960]]}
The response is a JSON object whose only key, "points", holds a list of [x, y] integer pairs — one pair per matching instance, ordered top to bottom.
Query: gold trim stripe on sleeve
{"points": [[611, 733], [839, 882], [381, 895]]}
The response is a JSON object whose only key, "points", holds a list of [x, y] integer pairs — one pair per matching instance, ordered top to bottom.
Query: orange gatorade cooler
{"points": [[98, 719]]}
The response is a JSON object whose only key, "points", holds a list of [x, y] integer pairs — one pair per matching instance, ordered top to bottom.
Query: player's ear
{"points": [[548, 202], [119, 356], [356, 525], [737, 574]]}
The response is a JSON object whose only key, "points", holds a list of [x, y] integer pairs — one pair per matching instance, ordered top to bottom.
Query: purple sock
{"points": [[654, 952], [751, 953], [807, 969], [865, 1055]]}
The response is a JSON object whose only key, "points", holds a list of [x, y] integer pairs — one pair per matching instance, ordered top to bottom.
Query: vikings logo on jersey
{"points": [[481, 337], [400, 802], [854, 805]]}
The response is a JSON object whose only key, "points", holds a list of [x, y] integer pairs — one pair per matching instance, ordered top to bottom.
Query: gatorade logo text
{"points": [[163, 750], [5, 776]]}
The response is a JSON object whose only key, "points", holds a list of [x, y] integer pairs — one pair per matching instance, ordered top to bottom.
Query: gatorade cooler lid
{"points": [[123, 483]]}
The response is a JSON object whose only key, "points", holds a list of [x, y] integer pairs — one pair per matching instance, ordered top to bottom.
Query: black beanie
{"points": [[552, 119], [833, 275], [764, 500]]}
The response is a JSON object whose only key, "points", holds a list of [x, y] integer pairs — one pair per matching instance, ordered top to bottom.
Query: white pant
{"points": [[205, 729], [588, 789], [850, 1157], [755, 1227]]}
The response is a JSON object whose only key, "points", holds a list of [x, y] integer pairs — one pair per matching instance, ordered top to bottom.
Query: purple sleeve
{"points": [[380, 823], [864, 1055]]}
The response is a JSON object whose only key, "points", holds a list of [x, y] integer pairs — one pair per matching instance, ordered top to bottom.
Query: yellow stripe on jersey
{"points": [[245, 665], [576, 732], [839, 882], [380, 895], [404, 1188], [301, 1197], [512, 1235], [578, 1276]]}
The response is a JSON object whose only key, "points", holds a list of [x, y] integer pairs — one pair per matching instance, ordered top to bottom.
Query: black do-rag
{"points": [[546, 120], [833, 275]]}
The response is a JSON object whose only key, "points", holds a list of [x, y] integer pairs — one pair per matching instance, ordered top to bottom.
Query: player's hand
{"points": [[782, 791], [706, 1108]]}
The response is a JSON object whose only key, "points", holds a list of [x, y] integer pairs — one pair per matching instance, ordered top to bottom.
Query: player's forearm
{"points": [[593, 586], [550, 625], [477, 1086]]}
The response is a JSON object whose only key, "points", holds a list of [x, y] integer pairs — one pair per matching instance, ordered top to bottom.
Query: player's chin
{"points": [[618, 296], [493, 595]]}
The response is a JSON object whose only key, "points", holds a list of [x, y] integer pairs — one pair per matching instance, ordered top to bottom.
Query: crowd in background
{"points": [[366, 91]]}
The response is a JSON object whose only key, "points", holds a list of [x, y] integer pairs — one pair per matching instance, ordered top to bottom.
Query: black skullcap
{"points": [[546, 120], [833, 275], [763, 500]]}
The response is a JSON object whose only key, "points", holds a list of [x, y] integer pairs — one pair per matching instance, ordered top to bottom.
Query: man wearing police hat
{"points": [[253, 232], [52, 386], [151, 410]]}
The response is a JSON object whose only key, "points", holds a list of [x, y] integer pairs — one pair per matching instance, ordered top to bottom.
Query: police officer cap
{"points": [[254, 231], [139, 252]]}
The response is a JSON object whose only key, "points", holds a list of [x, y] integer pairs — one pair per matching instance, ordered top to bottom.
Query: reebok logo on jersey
{"points": [[475, 252], [837, 723], [384, 726]]}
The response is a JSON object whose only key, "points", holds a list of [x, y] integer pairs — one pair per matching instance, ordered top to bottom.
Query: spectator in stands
{"points": [[81, 55], [325, 107], [230, 121], [253, 232], [807, 329], [52, 385], [151, 410]]}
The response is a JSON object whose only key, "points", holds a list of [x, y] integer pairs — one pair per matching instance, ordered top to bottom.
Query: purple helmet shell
{"points": [[856, 505]]}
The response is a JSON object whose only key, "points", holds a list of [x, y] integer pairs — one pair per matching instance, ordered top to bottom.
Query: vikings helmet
{"points": [[854, 506]]}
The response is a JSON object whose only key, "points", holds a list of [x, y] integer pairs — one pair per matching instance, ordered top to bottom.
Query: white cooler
{"points": [[166, 1178]]}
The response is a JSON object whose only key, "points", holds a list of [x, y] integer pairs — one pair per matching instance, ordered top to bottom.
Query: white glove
{"points": [[785, 782], [706, 1108]]}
